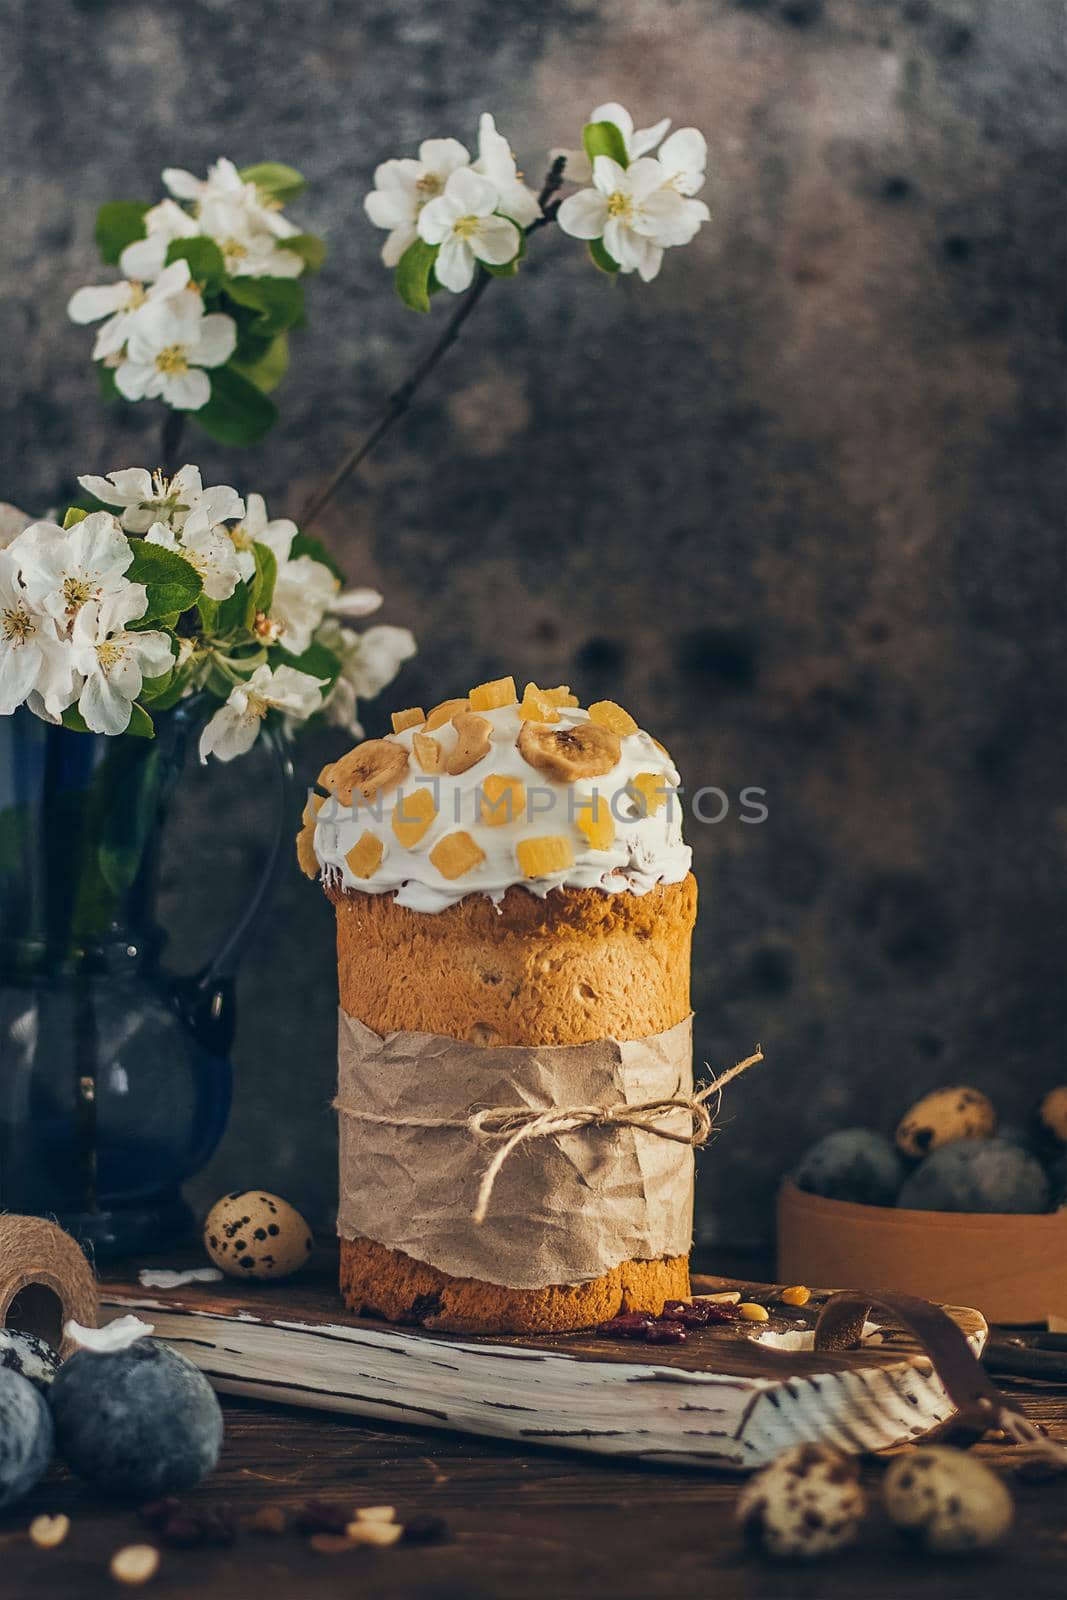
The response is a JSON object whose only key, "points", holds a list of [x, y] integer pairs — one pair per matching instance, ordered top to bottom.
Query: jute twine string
{"points": [[513, 1126]]}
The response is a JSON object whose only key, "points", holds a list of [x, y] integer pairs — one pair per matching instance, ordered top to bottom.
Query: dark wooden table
{"points": [[521, 1523]]}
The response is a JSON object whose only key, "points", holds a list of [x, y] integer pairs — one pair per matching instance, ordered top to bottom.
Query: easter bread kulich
{"points": [[506, 872]]}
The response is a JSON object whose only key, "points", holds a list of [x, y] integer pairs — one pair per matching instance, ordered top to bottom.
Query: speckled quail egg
{"points": [[945, 1116], [851, 1164], [987, 1175], [253, 1234], [30, 1356], [25, 1436], [946, 1501], [807, 1503]]}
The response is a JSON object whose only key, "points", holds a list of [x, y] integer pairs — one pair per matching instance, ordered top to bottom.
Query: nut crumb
{"points": [[796, 1295], [752, 1312], [375, 1513], [269, 1519], [47, 1532], [372, 1532], [134, 1564]]}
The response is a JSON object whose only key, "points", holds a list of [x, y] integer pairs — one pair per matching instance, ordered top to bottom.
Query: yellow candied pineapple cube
{"points": [[491, 696], [560, 696], [536, 706], [444, 713], [606, 714], [408, 719], [429, 753], [649, 789], [503, 800], [315, 803], [412, 816], [595, 820], [305, 851], [456, 854], [365, 856], [538, 858]]}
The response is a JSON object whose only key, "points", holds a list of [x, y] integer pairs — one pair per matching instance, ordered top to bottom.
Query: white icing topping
{"points": [[646, 851]]}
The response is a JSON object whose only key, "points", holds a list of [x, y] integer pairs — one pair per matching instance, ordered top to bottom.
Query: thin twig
{"points": [[400, 400], [170, 441]]}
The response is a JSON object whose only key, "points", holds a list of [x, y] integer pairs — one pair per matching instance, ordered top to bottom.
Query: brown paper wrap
{"points": [[565, 1209], [45, 1281]]}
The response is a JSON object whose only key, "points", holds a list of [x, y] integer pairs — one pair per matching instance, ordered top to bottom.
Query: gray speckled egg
{"points": [[943, 1117], [851, 1164], [977, 1175], [254, 1234], [28, 1355], [25, 1437], [946, 1501], [806, 1503]]}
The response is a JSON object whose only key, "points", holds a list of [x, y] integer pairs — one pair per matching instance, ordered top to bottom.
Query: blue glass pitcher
{"points": [[115, 1078]]}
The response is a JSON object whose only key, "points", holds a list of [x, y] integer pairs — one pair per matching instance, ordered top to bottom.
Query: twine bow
{"points": [[513, 1126]]}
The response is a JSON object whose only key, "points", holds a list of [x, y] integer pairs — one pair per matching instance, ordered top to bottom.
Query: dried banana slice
{"points": [[564, 754], [375, 764]]}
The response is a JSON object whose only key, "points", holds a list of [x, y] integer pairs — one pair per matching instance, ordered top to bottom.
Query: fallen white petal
{"points": [[168, 1278], [117, 1335]]}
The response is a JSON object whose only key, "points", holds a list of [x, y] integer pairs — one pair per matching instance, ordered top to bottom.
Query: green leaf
{"points": [[605, 139], [275, 181], [118, 223], [309, 247], [601, 258], [206, 266], [412, 280], [277, 302], [268, 370], [238, 412], [74, 515], [305, 544], [264, 580], [173, 583], [208, 611], [168, 623], [316, 660], [152, 689], [170, 696], [141, 724], [132, 810]]}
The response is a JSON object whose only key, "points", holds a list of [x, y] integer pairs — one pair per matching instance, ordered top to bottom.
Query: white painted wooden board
{"points": [[726, 1399]]}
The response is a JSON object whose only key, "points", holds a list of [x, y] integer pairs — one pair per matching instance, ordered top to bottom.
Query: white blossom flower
{"points": [[638, 142], [684, 157], [497, 161], [402, 188], [636, 212], [463, 223], [246, 228], [145, 258], [119, 301], [169, 345], [150, 497], [12, 523], [257, 528], [207, 548], [66, 569], [302, 591], [354, 603], [34, 661], [115, 661], [369, 661], [235, 726]]}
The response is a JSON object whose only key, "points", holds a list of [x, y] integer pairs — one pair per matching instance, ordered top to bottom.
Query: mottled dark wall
{"points": [[797, 504]]}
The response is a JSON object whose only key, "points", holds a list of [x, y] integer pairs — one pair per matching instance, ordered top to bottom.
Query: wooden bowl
{"points": [[1011, 1268]]}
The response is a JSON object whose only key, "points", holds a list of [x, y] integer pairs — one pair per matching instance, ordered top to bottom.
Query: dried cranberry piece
{"points": [[627, 1325], [665, 1332], [322, 1516], [426, 1528]]}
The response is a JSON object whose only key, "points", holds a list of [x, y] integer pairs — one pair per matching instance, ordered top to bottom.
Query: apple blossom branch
{"points": [[400, 400]]}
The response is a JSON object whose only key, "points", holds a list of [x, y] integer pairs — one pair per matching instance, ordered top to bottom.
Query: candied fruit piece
{"points": [[491, 696], [560, 696], [536, 706], [444, 713], [606, 714], [408, 719], [474, 742], [428, 751], [564, 754], [375, 764], [649, 790], [503, 800], [315, 803], [412, 816], [595, 820], [305, 851], [456, 854], [365, 856], [538, 858]]}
